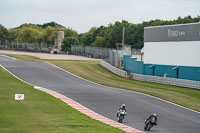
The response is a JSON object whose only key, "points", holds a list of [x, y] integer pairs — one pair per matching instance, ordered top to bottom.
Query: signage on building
{"points": [[183, 32], [175, 33]]}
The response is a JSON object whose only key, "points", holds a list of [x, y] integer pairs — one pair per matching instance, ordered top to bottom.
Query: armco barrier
{"points": [[113, 69], [153, 79], [167, 81]]}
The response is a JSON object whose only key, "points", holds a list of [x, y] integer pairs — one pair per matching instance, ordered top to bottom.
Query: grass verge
{"points": [[91, 70], [40, 112]]}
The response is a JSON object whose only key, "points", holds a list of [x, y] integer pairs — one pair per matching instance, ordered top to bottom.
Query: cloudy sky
{"points": [[81, 15]]}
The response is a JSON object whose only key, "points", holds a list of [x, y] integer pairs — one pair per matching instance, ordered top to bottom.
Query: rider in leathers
{"points": [[123, 107], [153, 115]]}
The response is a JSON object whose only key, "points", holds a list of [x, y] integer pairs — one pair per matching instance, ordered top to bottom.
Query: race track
{"points": [[106, 100]]}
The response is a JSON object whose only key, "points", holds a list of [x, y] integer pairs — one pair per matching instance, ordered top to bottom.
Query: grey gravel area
{"points": [[47, 56]]}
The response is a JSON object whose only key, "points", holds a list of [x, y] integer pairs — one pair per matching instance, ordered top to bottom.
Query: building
{"points": [[172, 45], [170, 51]]}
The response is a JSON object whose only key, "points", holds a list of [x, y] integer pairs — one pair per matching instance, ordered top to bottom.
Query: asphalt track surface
{"points": [[106, 100]]}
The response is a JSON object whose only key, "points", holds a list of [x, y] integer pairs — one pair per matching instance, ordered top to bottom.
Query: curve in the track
{"points": [[106, 100]]}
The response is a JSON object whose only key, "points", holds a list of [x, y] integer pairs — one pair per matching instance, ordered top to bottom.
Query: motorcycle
{"points": [[121, 115], [149, 124]]}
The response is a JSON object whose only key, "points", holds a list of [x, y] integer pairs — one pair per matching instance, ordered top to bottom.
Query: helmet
{"points": [[123, 105], [154, 114]]}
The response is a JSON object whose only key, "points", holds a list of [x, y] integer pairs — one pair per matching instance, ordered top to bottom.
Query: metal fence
{"points": [[34, 47], [93, 52], [136, 52], [112, 56], [116, 57], [165, 80]]}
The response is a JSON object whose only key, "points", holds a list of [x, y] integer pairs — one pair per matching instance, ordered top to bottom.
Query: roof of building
{"points": [[173, 25]]}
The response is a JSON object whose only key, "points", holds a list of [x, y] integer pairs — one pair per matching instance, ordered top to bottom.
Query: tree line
{"points": [[29, 33], [103, 36], [109, 36]]}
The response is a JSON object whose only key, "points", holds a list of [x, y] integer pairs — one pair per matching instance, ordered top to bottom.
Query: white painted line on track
{"points": [[127, 90], [82, 108]]}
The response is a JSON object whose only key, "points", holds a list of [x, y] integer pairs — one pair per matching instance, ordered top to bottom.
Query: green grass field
{"points": [[91, 70], [40, 112]]}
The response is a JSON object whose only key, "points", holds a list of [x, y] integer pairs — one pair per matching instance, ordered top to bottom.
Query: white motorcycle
{"points": [[121, 115]]}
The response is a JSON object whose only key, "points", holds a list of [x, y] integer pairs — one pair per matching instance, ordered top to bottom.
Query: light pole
{"points": [[123, 35]]}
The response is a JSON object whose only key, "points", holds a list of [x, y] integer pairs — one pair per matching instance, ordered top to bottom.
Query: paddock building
{"points": [[169, 51]]}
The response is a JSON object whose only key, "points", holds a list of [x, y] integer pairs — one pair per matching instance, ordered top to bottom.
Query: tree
{"points": [[51, 24], [70, 33], [3, 34], [13, 34], [50, 34], [30, 35], [89, 37], [68, 41], [99, 42]]}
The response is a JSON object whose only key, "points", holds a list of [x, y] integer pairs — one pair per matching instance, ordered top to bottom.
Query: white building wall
{"points": [[182, 53]]}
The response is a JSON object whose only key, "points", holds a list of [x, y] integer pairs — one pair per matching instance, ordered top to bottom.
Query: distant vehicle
{"points": [[55, 50]]}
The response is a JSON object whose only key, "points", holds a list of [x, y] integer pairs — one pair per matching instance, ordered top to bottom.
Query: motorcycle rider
{"points": [[123, 107], [149, 118]]}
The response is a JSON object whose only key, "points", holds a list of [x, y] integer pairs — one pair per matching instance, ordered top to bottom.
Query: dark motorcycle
{"points": [[121, 115], [149, 124]]}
